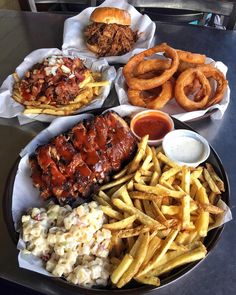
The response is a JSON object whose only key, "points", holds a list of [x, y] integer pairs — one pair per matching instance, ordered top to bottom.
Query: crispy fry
{"points": [[16, 77], [98, 84], [138, 157], [147, 159], [155, 160], [167, 161], [197, 172], [121, 173], [146, 173], [169, 173], [137, 176], [215, 177], [154, 179], [210, 181], [116, 182], [197, 183], [166, 184], [185, 184], [130, 185], [112, 190], [159, 190], [193, 190], [123, 194], [104, 196], [144, 196], [213, 198], [101, 201], [138, 204], [211, 208], [148, 209], [170, 210], [175, 210], [111, 212], [185, 212], [159, 215], [145, 219], [202, 222], [124, 223], [132, 232], [153, 234], [130, 240], [154, 244], [136, 246], [177, 247], [160, 253], [192, 255], [139, 257], [121, 268], [155, 281]]}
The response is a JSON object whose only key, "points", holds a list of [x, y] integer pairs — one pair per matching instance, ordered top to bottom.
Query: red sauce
{"points": [[155, 125]]}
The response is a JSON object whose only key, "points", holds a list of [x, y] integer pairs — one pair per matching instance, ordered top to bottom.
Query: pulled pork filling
{"points": [[111, 39], [54, 81]]}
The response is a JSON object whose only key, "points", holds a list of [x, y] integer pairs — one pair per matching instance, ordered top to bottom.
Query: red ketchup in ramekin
{"points": [[154, 123]]}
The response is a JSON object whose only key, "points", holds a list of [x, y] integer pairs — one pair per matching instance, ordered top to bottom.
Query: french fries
{"points": [[90, 88], [159, 213], [142, 217], [124, 223], [132, 232], [190, 256], [139, 257], [121, 268]]}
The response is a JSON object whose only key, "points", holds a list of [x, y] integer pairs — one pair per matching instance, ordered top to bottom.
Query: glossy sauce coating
{"points": [[155, 125]]}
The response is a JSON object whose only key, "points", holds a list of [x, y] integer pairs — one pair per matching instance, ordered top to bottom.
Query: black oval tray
{"points": [[132, 288]]}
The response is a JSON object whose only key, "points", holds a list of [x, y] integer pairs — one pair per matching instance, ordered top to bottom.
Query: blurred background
{"points": [[218, 14]]}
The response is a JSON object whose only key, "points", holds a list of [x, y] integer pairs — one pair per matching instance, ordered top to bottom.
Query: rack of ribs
{"points": [[73, 164]]}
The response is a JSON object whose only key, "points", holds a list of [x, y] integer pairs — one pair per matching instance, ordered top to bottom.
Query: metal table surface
{"points": [[21, 33]]}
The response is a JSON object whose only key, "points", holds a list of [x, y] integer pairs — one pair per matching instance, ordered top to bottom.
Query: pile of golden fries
{"points": [[90, 89], [159, 214]]}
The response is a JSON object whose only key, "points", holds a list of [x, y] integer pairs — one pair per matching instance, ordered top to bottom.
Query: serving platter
{"points": [[210, 241]]}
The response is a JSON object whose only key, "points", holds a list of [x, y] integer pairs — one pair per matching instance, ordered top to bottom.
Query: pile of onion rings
{"points": [[173, 73]]}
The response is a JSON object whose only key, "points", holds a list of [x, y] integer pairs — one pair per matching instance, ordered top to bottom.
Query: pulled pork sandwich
{"points": [[109, 33]]}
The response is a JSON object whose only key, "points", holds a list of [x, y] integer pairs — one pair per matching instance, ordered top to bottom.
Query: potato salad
{"points": [[71, 242]]}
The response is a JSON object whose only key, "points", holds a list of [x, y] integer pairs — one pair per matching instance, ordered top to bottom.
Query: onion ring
{"points": [[190, 57], [152, 65], [211, 72], [149, 75], [187, 78], [146, 84], [157, 102]]}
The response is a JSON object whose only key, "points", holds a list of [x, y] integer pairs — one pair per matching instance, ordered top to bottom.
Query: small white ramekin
{"points": [[149, 112], [170, 139]]}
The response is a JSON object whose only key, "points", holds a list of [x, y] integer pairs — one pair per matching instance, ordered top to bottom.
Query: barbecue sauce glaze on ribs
{"points": [[73, 164]]}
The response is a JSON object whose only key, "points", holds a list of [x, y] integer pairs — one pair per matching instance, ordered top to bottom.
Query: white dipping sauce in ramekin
{"points": [[186, 147]]}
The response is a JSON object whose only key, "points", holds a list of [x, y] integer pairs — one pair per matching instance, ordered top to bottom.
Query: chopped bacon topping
{"points": [[56, 80]]}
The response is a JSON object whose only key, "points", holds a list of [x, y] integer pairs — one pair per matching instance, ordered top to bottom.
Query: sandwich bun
{"points": [[111, 15]]}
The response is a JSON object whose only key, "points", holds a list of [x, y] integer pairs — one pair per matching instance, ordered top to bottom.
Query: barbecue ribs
{"points": [[73, 164]]}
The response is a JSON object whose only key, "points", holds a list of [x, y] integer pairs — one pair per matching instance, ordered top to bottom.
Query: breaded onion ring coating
{"points": [[190, 57], [149, 65], [211, 72], [186, 78], [146, 84], [157, 102]]}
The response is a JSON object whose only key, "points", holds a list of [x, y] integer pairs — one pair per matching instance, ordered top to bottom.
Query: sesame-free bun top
{"points": [[111, 15]]}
